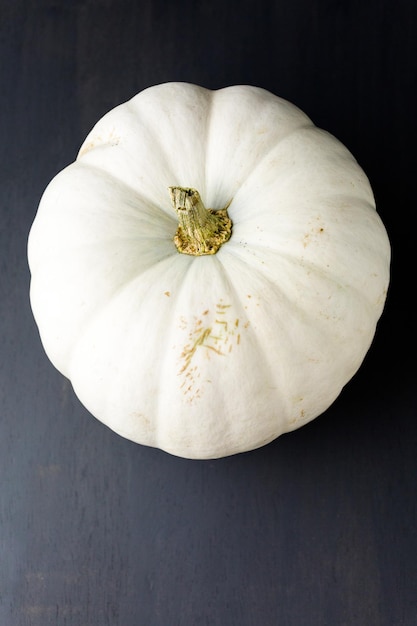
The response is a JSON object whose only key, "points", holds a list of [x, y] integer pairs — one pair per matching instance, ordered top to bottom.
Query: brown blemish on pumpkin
{"points": [[110, 138], [315, 230], [167, 293], [382, 297], [217, 339], [299, 413], [141, 417]]}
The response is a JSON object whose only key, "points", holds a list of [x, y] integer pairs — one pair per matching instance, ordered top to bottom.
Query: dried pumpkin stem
{"points": [[200, 231]]}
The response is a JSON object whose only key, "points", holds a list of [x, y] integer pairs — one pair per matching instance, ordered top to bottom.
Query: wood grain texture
{"points": [[315, 529]]}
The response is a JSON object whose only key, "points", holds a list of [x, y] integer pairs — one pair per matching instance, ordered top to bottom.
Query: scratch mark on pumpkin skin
{"points": [[222, 322], [217, 339], [188, 353]]}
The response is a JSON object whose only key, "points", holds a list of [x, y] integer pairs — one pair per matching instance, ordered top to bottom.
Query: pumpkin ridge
{"points": [[152, 136], [157, 141], [253, 172], [142, 197], [324, 272], [118, 292], [362, 296], [323, 331], [263, 351], [159, 412]]}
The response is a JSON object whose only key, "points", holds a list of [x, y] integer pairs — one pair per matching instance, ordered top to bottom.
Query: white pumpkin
{"points": [[213, 348]]}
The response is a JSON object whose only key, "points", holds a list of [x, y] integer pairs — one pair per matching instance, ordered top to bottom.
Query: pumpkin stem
{"points": [[200, 231]]}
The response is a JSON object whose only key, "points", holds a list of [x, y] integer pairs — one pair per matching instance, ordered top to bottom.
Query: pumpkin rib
{"points": [[157, 142], [224, 149], [180, 155], [90, 157], [260, 163], [280, 174], [144, 200], [147, 206], [77, 220], [366, 222], [323, 272], [119, 292], [360, 296], [322, 328], [263, 350], [55, 351], [119, 355], [288, 385], [158, 410], [237, 420]]}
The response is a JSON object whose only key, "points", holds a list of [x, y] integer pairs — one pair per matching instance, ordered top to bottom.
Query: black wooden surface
{"points": [[317, 528]]}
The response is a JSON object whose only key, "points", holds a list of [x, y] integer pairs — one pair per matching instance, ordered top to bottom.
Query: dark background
{"points": [[318, 528]]}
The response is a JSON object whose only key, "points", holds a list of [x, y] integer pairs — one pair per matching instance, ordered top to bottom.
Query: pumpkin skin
{"points": [[208, 356]]}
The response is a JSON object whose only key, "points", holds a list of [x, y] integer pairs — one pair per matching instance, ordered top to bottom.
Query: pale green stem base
{"points": [[200, 230]]}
